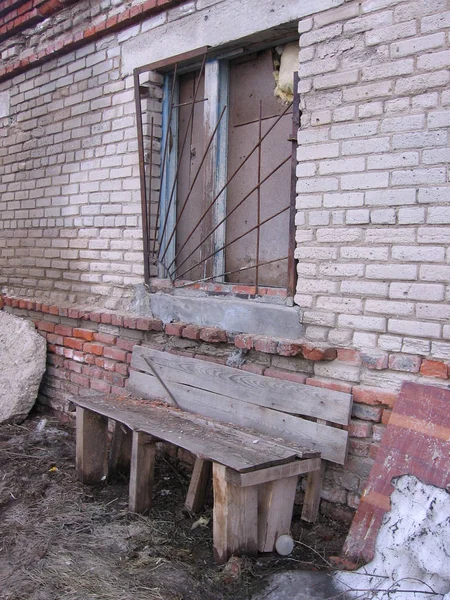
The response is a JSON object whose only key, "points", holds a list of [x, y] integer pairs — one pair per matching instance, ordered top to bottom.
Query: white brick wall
{"points": [[374, 80]]}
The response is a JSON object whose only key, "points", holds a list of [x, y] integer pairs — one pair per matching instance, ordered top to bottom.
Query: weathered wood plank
{"points": [[285, 396], [206, 439], [330, 441], [91, 446], [120, 451], [297, 467], [141, 472], [201, 475], [311, 503], [275, 507], [235, 519]]}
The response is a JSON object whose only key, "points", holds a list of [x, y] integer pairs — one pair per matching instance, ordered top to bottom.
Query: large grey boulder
{"points": [[22, 365]]}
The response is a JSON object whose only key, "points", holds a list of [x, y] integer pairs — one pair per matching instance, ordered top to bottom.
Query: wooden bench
{"points": [[243, 427]]}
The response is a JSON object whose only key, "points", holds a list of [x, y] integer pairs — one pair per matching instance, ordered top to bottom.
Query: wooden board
{"points": [[285, 396], [206, 439], [330, 441], [91, 446], [120, 451], [298, 467], [141, 473], [201, 475], [275, 508]]}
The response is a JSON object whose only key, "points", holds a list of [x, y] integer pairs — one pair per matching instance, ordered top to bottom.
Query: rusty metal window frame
{"points": [[216, 89]]}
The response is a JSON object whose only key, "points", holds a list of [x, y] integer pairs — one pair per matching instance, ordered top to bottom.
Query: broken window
{"points": [[224, 211]]}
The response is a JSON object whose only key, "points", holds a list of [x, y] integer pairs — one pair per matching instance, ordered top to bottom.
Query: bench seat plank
{"points": [[277, 394], [330, 441], [223, 444]]}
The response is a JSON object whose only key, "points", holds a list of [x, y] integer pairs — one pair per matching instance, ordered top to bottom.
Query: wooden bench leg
{"points": [[91, 446], [120, 453], [141, 473], [201, 474], [312, 494], [275, 507], [235, 519]]}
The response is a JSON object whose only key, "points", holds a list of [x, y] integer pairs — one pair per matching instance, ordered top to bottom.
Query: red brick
{"points": [[22, 304], [54, 310], [73, 313], [96, 317], [106, 318], [117, 320], [129, 322], [45, 326], [174, 329], [64, 330], [191, 332], [85, 334], [213, 335], [105, 338], [243, 341], [73, 343], [126, 344], [265, 344], [92, 348], [286, 348], [67, 352], [115, 353], [313, 353], [347, 355], [79, 356], [375, 360], [57, 361], [405, 362], [72, 366], [122, 368], [253, 368], [434, 368], [285, 375], [115, 378], [329, 385], [100, 386], [372, 395], [367, 412], [386, 416], [360, 429], [358, 448], [373, 451]]}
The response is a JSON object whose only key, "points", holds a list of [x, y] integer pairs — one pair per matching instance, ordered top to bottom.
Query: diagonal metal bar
{"points": [[191, 115], [166, 145], [194, 182], [220, 192], [229, 215], [236, 239], [260, 264]]}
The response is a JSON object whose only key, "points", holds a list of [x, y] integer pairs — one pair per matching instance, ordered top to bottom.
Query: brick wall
{"points": [[373, 193]]}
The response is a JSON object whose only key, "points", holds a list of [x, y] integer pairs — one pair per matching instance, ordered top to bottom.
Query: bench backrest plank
{"points": [[280, 395], [332, 442]]}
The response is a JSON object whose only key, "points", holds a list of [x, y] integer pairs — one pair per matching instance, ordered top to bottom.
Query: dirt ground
{"points": [[61, 539]]}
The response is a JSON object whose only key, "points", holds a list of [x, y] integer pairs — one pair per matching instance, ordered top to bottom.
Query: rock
{"points": [[23, 354]]}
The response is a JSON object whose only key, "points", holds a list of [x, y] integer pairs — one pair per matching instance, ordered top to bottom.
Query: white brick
{"points": [[371, 5], [338, 14], [369, 22], [434, 22], [304, 25], [392, 33], [319, 35], [417, 45], [305, 55], [436, 60], [317, 67], [385, 70], [336, 80], [421, 83], [368, 92], [429, 100], [370, 109], [345, 113], [320, 117], [438, 119], [406, 123], [351, 130], [313, 136], [419, 139], [366, 146], [318, 151], [433, 157], [392, 161], [345, 165], [306, 169], [419, 176], [365, 181], [318, 184], [434, 195], [343, 200], [313, 201], [411, 215], [438, 215], [384, 216], [357, 217], [318, 218], [336, 235], [433, 235], [315, 253], [358, 253], [418, 253], [342, 270], [407, 272], [434, 272], [315, 286], [365, 288], [417, 291], [339, 304], [386, 307], [435, 312], [316, 317], [362, 323], [414, 328], [319, 334], [364, 340], [391, 343], [415, 346], [440, 350], [337, 370]]}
